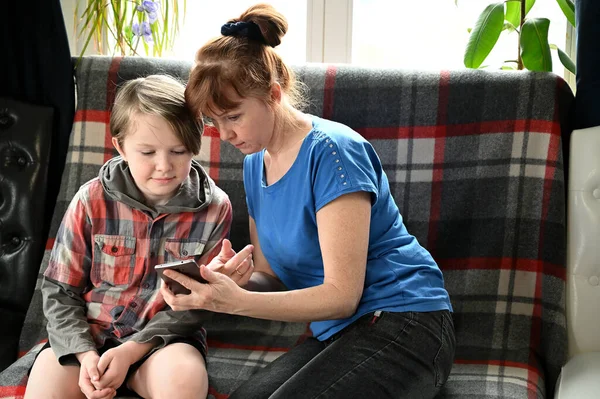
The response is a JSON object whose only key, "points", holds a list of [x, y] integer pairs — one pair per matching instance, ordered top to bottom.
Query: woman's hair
{"points": [[243, 61], [158, 95]]}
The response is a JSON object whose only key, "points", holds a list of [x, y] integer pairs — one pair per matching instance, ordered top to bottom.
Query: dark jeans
{"points": [[396, 355]]}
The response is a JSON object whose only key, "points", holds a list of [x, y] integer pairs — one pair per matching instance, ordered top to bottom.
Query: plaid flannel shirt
{"points": [[100, 282]]}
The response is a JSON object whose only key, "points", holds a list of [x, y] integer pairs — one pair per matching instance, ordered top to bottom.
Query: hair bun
{"points": [[272, 25], [243, 29]]}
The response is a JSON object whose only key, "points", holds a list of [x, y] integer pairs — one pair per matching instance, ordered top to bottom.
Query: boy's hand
{"points": [[238, 267], [113, 365], [89, 376]]}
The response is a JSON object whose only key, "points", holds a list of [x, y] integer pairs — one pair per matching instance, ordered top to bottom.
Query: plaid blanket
{"points": [[475, 163]]}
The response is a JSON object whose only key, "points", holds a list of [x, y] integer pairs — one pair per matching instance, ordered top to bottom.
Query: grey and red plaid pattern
{"points": [[475, 164], [125, 234]]}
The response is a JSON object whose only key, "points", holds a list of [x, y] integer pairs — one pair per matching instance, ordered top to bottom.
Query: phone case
{"points": [[187, 267]]}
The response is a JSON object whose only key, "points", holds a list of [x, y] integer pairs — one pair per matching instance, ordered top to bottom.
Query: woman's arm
{"points": [[343, 227], [263, 278]]}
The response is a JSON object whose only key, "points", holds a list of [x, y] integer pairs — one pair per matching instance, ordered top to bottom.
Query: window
{"points": [[203, 21], [422, 34], [432, 34]]}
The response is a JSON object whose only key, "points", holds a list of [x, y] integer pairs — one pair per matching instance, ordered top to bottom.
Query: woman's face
{"points": [[248, 127]]}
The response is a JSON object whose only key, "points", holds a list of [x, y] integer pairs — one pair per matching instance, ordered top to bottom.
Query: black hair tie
{"points": [[243, 29]]}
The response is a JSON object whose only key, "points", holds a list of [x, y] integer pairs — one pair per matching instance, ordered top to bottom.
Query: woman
{"points": [[329, 243]]}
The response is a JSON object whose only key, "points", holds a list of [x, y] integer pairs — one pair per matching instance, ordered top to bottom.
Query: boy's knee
{"points": [[49, 379], [184, 383], [189, 390]]}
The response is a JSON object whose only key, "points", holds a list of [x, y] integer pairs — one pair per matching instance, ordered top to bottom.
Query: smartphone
{"points": [[187, 267]]}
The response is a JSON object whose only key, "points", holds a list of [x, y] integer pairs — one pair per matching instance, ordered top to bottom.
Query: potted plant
{"points": [[129, 27], [534, 51]]}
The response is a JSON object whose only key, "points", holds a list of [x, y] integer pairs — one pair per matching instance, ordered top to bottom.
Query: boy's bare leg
{"points": [[176, 371], [49, 379]]}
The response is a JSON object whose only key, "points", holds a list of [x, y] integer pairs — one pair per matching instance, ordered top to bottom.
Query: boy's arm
{"points": [[222, 226], [65, 278], [68, 329]]}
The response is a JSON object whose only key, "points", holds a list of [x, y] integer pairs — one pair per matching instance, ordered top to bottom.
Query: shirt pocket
{"points": [[183, 249], [114, 260]]}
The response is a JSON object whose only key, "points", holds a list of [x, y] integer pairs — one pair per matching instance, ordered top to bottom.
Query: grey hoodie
{"points": [[195, 192]]}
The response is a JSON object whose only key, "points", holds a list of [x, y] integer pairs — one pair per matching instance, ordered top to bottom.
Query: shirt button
{"points": [[114, 249], [184, 252], [146, 285], [133, 305]]}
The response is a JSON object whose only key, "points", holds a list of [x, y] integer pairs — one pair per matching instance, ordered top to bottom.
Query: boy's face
{"points": [[157, 159]]}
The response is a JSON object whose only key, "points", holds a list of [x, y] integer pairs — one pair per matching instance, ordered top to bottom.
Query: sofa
{"points": [[25, 146], [477, 165], [579, 376]]}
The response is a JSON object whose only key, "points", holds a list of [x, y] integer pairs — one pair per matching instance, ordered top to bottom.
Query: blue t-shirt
{"points": [[334, 160]]}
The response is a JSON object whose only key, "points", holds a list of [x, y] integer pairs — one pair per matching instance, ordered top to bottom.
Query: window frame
{"points": [[329, 31], [329, 34]]}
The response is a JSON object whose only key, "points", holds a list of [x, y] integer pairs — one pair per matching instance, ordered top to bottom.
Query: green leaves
{"points": [[568, 8], [513, 11], [484, 35], [535, 50], [565, 59]]}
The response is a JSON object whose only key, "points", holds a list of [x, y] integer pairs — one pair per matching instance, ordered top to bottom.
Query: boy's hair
{"points": [[244, 64], [159, 95]]}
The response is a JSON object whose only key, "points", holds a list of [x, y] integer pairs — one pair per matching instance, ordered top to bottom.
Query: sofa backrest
{"points": [[475, 165]]}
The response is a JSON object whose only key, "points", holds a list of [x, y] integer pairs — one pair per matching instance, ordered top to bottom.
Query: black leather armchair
{"points": [[25, 141]]}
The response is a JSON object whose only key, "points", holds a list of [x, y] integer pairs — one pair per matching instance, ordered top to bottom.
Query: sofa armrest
{"points": [[583, 233], [579, 377]]}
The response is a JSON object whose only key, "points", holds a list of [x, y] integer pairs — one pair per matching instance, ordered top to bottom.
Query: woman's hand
{"points": [[238, 267], [218, 295]]}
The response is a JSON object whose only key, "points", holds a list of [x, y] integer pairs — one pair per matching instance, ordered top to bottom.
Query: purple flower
{"points": [[150, 6], [152, 17], [142, 30]]}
